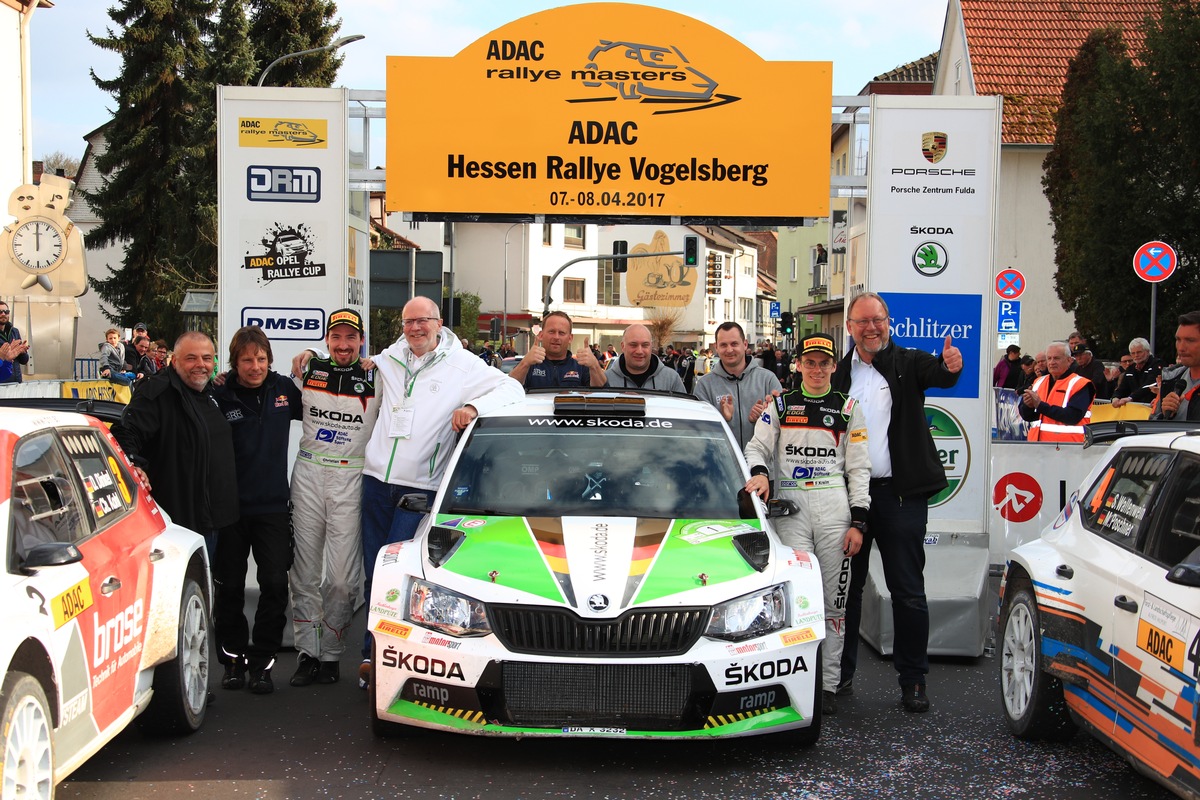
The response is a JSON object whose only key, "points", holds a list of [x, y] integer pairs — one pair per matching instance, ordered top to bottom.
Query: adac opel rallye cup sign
{"points": [[609, 109]]}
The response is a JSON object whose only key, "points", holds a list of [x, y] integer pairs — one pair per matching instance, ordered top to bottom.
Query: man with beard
{"points": [[9, 335], [549, 362], [639, 367], [890, 382], [340, 408], [180, 443]]}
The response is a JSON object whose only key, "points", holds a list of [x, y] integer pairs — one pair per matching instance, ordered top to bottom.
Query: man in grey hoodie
{"points": [[639, 367], [738, 386]]}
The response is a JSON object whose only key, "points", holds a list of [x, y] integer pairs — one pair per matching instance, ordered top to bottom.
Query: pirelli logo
{"points": [[396, 629], [796, 637]]}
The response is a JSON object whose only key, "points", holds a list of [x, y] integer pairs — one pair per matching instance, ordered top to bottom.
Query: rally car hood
{"points": [[598, 566]]}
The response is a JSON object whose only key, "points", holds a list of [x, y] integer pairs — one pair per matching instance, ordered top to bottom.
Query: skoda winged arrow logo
{"points": [[598, 602]]}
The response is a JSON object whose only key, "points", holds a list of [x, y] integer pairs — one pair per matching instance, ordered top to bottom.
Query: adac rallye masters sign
{"points": [[609, 109]]}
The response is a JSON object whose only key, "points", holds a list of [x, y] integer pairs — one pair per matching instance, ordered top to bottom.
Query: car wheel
{"points": [[181, 684], [1034, 706], [382, 728], [807, 737], [27, 768]]}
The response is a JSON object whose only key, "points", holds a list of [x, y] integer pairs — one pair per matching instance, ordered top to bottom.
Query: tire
{"points": [[181, 684], [1033, 702], [382, 728], [807, 737], [27, 763]]}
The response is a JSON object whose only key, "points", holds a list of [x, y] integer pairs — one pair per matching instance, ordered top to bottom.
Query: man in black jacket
{"points": [[9, 333], [890, 382], [259, 405], [179, 442]]}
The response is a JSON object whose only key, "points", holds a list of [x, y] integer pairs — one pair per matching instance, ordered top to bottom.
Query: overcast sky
{"points": [[862, 38]]}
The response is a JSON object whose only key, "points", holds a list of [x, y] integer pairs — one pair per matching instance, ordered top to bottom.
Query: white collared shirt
{"points": [[870, 389]]}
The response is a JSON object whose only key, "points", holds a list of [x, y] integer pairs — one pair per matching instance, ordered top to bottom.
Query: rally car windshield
{"points": [[579, 466]]}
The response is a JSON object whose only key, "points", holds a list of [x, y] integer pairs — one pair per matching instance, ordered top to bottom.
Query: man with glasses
{"points": [[18, 349], [890, 382], [1139, 383], [431, 389], [816, 439]]}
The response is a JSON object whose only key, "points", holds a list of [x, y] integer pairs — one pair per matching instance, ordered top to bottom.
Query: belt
{"points": [[351, 462], [881, 481]]}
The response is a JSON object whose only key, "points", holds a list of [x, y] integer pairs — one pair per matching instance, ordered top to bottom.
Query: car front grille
{"points": [[558, 632], [635, 696]]}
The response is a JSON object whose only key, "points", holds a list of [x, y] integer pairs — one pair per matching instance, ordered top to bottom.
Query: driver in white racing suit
{"points": [[340, 407], [816, 439]]}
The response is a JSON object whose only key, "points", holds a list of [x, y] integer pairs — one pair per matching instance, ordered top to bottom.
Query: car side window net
{"points": [[1118, 505], [46, 506], [1179, 536]]}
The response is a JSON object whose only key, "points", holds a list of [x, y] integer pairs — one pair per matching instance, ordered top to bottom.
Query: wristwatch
{"points": [[862, 526]]}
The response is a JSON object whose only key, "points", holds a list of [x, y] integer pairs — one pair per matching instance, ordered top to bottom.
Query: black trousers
{"points": [[269, 537]]}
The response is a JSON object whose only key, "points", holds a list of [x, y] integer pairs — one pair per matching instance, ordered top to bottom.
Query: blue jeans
{"points": [[383, 522], [897, 526]]}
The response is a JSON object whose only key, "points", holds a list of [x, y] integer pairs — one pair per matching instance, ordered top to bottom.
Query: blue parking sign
{"points": [[775, 310], [1008, 316]]}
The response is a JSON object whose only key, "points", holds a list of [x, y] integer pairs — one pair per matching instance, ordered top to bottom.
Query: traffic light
{"points": [[620, 248], [691, 248], [713, 274], [787, 320], [494, 329]]}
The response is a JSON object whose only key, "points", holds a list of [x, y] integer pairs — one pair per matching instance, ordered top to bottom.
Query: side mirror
{"points": [[415, 502], [777, 507], [51, 554], [1185, 574]]}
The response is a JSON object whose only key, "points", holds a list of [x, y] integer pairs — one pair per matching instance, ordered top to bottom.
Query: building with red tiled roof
{"points": [[1020, 50]]}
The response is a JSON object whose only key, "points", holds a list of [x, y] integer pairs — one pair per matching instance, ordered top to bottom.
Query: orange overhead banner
{"points": [[608, 109]]}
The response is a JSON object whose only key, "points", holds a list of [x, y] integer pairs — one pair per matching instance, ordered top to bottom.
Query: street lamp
{"points": [[334, 45], [506, 233]]}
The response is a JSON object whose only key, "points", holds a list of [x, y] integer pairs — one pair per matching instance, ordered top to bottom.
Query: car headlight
{"points": [[439, 608], [750, 615]]}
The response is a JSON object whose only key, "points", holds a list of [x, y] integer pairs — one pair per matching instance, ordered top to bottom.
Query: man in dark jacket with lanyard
{"points": [[890, 382], [260, 405], [180, 445]]}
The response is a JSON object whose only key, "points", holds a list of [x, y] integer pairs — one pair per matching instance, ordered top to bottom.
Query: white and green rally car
{"points": [[589, 569]]}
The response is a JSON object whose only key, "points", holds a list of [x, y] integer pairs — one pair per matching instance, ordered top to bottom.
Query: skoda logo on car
{"points": [[598, 602]]}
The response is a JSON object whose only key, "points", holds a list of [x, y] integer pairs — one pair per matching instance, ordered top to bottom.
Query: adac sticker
{"points": [[71, 603]]}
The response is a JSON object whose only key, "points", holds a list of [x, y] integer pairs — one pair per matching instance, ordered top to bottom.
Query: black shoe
{"points": [[306, 670], [329, 672], [364, 674], [235, 675], [260, 678], [845, 687], [914, 699], [828, 703]]}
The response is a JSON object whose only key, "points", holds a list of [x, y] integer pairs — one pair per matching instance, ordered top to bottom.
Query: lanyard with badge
{"points": [[404, 413]]}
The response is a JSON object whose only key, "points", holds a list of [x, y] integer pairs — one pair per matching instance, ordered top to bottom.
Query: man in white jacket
{"points": [[431, 389]]}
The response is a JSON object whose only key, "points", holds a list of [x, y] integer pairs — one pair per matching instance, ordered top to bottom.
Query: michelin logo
{"points": [[283, 184]]}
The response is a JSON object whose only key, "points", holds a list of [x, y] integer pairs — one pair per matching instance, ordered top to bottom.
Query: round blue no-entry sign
{"points": [[1155, 261], [1010, 284]]}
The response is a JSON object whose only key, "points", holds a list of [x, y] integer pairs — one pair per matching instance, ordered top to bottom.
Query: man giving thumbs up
{"points": [[549, 363], [889, 381]]}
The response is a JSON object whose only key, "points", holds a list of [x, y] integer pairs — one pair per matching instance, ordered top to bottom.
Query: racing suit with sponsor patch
{"points": [[340, 408], [815, 450]]}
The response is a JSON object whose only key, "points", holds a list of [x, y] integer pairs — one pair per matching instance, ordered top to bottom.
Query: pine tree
{"points": [[278, 27], [161, 45], [230, 63]]}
